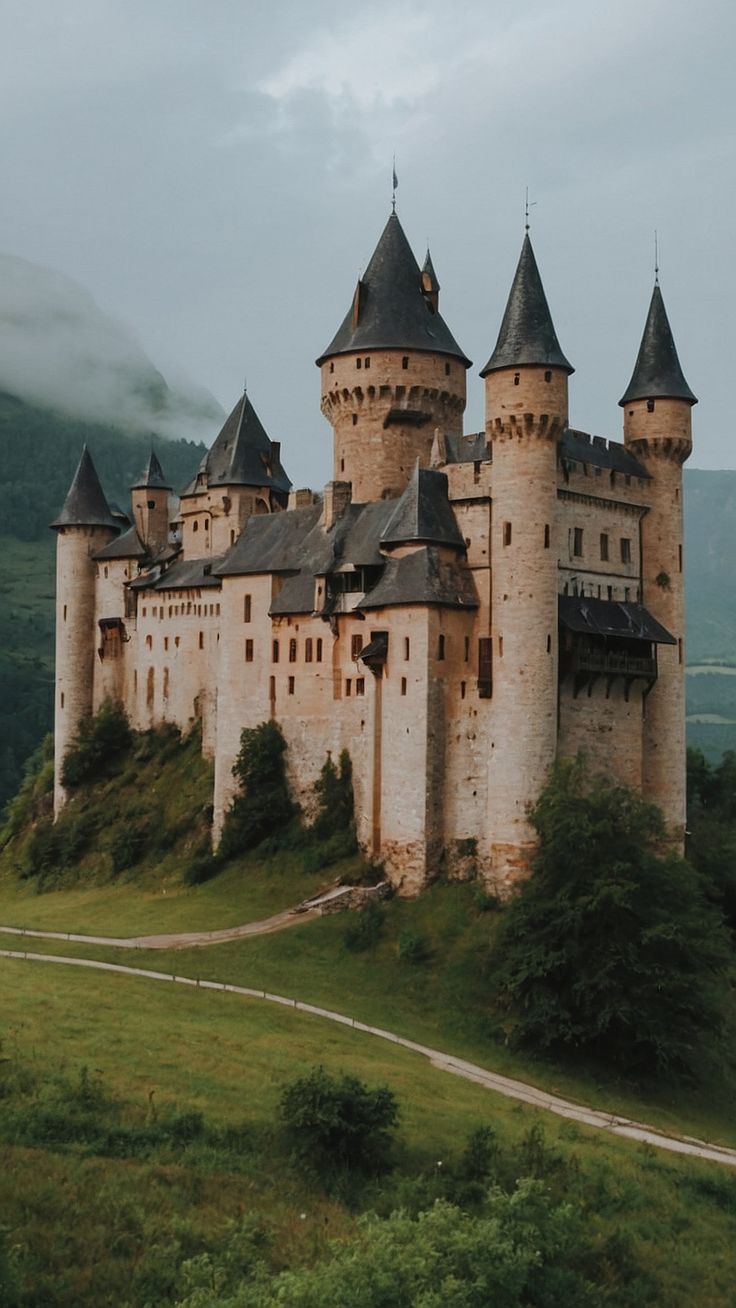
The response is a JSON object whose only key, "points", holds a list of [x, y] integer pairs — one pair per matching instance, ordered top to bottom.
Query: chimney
{"points": [[337, 497], [301, 499]]}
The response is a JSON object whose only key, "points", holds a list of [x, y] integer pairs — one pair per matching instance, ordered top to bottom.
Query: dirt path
{"points": [[502, 1085]]}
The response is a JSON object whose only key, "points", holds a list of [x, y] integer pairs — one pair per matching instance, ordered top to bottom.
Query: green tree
{"points": [[99, 742], [263, 805], [711, 810], [611, 946], [338, 1123]]}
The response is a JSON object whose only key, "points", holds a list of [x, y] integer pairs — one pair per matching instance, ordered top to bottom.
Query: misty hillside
{"points": [[60, 351]]}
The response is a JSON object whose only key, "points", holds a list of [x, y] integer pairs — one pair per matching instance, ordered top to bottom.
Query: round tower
{"points": [[392, 374], [657, 409], [526, 412], [84, 525]]}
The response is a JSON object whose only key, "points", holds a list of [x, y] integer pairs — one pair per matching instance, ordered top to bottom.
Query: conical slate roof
{"points": [[428, 268], [389, 310], [527, 334], [657, 372], [243, 455], [152, 477], [85, 504], [423, 513]]}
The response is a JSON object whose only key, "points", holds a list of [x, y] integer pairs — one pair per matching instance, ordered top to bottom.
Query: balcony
{"points": [[610, 664]]}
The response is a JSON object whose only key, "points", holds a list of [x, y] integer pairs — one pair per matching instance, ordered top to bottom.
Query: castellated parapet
{"points": [[457, 610]]}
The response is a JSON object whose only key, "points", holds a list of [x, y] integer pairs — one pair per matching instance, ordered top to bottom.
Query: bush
{"points": [[99, 741], [264, 804], [336, 805], [129, 846], [711, 846], [203, 868], [365, 931], [611, 945], [413, 948], [338, 1123]]}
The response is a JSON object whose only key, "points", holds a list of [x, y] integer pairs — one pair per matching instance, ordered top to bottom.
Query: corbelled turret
{"points": [[392, 373]]}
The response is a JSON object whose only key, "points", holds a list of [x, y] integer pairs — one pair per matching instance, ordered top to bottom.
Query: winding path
{"points": [[503, 1085]]}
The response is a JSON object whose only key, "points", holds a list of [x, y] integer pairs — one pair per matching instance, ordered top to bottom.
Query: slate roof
{"points": [[428, 268], [389, 309], [527, 334], [657, 373], [579, 446], [472, 448], [243, 454], [152, 477], [85, 504], [423, 513], [127, 546], [190, 573], [422, 578], [594, 617]]}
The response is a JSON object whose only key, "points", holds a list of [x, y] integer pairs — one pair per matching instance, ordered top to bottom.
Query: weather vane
{"points": [[395, 182], [527, 206], [656, 258]]}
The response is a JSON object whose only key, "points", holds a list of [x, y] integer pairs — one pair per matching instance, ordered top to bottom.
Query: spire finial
{"points": [[394, 184], [528, 204], [656, 258], [245, 384]]}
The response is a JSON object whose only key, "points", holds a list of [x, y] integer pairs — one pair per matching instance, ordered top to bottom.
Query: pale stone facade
{"points": [[457, 611]]}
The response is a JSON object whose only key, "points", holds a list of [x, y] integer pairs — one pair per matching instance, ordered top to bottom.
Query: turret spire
{"points": [[527, 334], [657, 372], [152, 477], [85, 504]]}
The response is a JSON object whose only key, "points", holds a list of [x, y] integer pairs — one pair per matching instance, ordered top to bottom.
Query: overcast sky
{"points": [[217, 173]]}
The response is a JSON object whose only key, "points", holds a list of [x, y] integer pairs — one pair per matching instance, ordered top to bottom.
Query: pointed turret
{"points": [[430, 283], [390, 309], [527, 334], [657, 372], [243, 454], [152, 477], [85, 504], [423, 515]]}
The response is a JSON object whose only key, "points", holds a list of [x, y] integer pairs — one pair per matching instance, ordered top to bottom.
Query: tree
{"points": [[100, 740], [263, 805], [711, 811], [612, 945], [339, 1123]]}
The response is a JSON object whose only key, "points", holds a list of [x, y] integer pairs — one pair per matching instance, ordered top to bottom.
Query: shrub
{"points": [[99, 741], [264, 804], [336, 805], [129, 846], [203, 868], [365, 931], [611, 945], [413, 948], [338, 1122], [480, 1154]]}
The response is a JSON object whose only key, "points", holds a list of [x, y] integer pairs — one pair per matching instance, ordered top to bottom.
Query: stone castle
{"points": [[456, 610]]}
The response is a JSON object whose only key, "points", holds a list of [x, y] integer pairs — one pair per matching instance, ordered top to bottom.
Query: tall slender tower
{"points": [[392, 373], [657, 409], [526, 412], [150, 500], [84, 525]]}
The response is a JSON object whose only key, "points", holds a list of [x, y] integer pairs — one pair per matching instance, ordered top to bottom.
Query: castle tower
{"points": [[392, 374], [657, 409], [526, 412], [150, 500], [84, 525]]}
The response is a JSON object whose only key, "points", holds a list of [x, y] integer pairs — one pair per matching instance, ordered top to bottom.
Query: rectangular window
{"points": [[507, 533], [546, 535], [577, 542], [604, 547], [625, 550], [679, 558], [610, 592], [246, 608], [201, 640], [166, 642], [356, 645], [441, 648], [319, 649], [407, 649], [467, 649], [308, 650], [249, 651], [292, 651], [275, 652], [485, 672], [291, 685], [403, 685], [348, 686], [360, 686], [272, 689], [462, 690]]}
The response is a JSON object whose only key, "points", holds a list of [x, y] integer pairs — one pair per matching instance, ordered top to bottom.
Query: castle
{"points": [[456, 610]]}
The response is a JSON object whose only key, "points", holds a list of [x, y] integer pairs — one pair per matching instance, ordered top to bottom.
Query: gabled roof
{"points": [[390, 310], [527, 334], [657, 372], [600, 453], [243, 454], [152, 477], [85, 504], [423, 514], [127, 546], [423, 578], [594, 617]]}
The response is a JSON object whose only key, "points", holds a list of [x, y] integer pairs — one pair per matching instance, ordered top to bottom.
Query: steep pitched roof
{"points": [[428, 268], [390, 310], [527, 334], [657, 372], [579, 447], [243, 454], [152, 477], [85, 504], [423, 513], [127, 546], [422, 578]]}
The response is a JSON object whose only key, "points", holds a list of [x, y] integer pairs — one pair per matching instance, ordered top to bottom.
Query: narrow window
{"points": [[405, 362], [359, 363], [367, 363], [332, 367], [447, 369], [548, 376], [517, 379], [650, 406], [355, 419], [342, 465], [476, 471], [206, 524], [195, 525], [507, 533], [546, 535], [232, 537], [577, 544], [604, 547], [625, 550], [679, 558], [105, 571], [599, 592], [610, 592], [627, 592], [246, 608], [217, 610], [65, 612], [201, 640], [149, 642], [166, 642], [549, 644], [356, 645], [500, 647], [407, 648], [441, 648], [319, 649], [467, 649], [249, 650], [308, 650], [679, 650], [292, 651], [275, 652], [485, 676], [135, 683], [166, 683], [291, 685], [360, 685], [348, 686], [403, 686], [149, 688], [272, 689], [462, 690], [62, 699]]}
